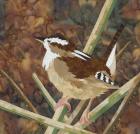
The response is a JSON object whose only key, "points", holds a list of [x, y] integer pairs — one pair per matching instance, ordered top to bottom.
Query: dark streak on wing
{"points": [[84, 55], [98, 75], [104, 79]]}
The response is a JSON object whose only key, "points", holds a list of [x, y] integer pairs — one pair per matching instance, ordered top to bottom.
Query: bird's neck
{"points": [[49, 58]]}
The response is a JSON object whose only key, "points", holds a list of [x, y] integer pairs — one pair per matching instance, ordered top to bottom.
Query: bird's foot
{"points": [[63, 102], [85, 118]]}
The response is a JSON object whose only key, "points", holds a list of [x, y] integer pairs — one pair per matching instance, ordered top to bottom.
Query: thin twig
{"points": [[122, 50], [3, 55], [19, 91], [44, 91], [119, 111], [40, 119]]}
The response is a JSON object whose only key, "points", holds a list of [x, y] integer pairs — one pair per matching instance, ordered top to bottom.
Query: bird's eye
{"points": [[49, 41]]}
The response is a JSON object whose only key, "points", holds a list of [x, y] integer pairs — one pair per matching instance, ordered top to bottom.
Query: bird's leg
{"points": [[63, 102], [84, 118]]}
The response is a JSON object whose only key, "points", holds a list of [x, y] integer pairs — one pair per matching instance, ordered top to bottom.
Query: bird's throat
{"points": [[49, 58]]}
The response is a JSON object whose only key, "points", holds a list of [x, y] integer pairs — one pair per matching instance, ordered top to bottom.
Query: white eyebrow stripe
{"points": [[57, 40], [81, 53], [79, 56]]}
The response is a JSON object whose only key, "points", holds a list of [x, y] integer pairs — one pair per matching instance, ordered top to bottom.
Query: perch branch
{"points": [[119, 111], [76, 112], [58, 116], [40, 119]]}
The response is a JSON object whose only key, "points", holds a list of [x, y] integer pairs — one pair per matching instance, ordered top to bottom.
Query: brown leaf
{"points": [[32, 1], [90, 2], [14, 7], [44, 8], [132, 10], [39, 21], [33, 23], [71, 31], [137, 32], [136, 54], [26, 62], [3, 84], [2, 126], [27, 126], [126, 131]]}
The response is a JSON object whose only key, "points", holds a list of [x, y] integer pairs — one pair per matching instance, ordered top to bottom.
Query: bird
{"points": [[74, 73]]}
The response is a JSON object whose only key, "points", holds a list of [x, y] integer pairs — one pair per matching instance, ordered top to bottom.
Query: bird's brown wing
{"points": [[84, 68]]}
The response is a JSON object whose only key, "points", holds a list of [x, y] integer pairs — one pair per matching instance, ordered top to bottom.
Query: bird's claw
{"points": [[63, 102], [84, 118]]}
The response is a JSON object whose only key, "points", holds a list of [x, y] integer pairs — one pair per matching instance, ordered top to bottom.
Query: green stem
{"points": [[99, 26], [44, 91], [111, 100], [121, 108], [59, 113], [58, 116], [40, 119]]}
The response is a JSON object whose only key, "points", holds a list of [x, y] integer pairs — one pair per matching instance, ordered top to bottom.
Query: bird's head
{"points": [[56, 43]]}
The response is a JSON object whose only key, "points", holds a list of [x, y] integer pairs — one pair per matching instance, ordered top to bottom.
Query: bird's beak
{"points": [[40, 39]]}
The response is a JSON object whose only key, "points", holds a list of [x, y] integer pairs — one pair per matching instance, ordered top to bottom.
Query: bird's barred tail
{"points": [[114, 40], [103, 77]]}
